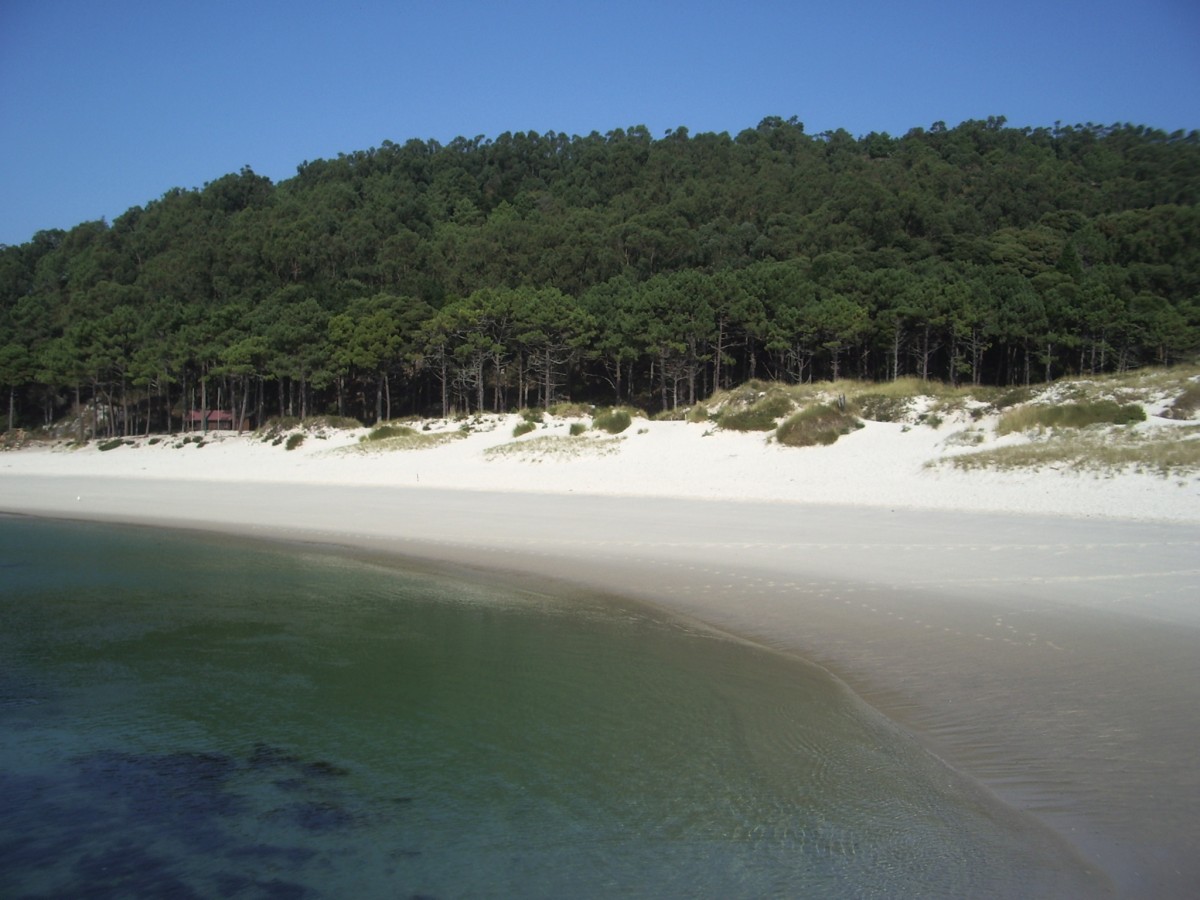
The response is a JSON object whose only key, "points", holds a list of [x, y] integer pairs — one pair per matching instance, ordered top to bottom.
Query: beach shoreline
{"points": [[1049, 657]]}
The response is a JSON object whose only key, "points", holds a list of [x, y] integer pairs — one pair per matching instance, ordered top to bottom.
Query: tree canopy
{"points": [[525, 268]]}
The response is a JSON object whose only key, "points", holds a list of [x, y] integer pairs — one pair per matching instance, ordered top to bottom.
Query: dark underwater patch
{"points": [[124, 824]]}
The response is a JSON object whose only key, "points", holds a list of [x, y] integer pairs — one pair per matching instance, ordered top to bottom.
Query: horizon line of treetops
{"points": [[617, 268]]}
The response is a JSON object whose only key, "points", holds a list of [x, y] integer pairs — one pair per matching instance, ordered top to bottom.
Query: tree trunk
{"points": [[897, 345], [720, 353], [445, 390], [245, 402], [204, 404]]}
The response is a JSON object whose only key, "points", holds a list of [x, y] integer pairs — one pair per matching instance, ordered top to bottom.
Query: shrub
{"points": [[998, 399], [1185, 405], [882, 407], [566, 410], [698, 413], [1070, 415], [532, 416], [759, 416], [614, 421], [334, 422], [816, 425], [524, 428], [577, 428], [383, 432], [294, 441], [111, 445]]}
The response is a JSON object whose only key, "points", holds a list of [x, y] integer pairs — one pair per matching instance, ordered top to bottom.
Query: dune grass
{"points": [[886, 401], [1186, 404], [568, 410], [761, 415], [1070, 415], [614, 421], [817, 425], [384, 432], [390, 437], [555, 448], [1171, 451]]}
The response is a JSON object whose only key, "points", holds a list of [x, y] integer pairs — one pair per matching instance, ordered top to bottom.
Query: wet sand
{"points": [[1053, 659]]}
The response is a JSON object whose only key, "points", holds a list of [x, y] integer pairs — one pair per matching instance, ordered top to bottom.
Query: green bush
{"points": [[1001, 399], [1185, 405], [882, 407], [567, 410], [1070, 415], [759, 416], [614, 421], [816, 425], [524, 428], [577, 428], [383, 432], [294, 441], [112, 445]]}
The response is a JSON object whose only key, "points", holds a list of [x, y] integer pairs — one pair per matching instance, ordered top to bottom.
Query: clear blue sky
{"points": [[107, 104]]}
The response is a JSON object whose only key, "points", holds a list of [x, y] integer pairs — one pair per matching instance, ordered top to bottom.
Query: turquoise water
{"points": [[198, 716]]}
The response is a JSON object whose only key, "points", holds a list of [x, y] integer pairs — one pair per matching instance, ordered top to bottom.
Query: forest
{"points": [[516, 271]]}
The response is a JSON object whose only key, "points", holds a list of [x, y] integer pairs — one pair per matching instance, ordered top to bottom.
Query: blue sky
{"points": [[107, 104]]}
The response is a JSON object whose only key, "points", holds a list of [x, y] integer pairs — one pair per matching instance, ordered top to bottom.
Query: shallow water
{"points": [[198, 716]]}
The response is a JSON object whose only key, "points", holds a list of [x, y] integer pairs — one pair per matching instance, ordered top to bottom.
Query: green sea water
{"points": [[202, 716]]}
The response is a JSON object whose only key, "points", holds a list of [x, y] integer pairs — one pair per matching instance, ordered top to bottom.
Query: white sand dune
{"points": [[883, 464], [1038, 630]]}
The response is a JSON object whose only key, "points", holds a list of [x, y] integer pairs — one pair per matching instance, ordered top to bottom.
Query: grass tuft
{"points": [[1186, 404], [881, 407], [566, 410], [761, 415], [1070, 415], [614, 421], [818, 425], [524, 428], [386, 432], [402, 437], [554, 448], [1170, 451]]}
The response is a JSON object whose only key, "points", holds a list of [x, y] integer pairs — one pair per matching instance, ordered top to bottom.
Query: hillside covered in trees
{"points": [[509, 272]]}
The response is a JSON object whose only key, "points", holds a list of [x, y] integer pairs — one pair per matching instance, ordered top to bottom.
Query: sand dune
{"points": [[1038, 630]]}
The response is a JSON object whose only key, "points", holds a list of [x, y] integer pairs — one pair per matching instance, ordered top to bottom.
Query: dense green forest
{"points": [[509, 272]]}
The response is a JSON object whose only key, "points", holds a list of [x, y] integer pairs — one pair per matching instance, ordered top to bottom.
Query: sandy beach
{"points": [[1039, 631]]}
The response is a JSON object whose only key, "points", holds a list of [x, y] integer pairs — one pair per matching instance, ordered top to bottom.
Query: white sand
{"points": [[882, 464], [1040, 631]]}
